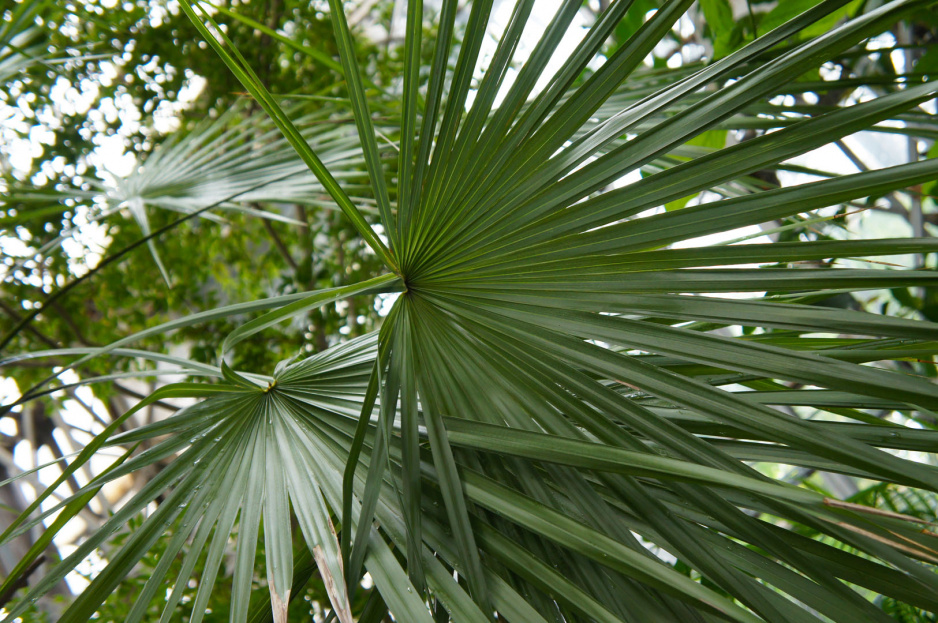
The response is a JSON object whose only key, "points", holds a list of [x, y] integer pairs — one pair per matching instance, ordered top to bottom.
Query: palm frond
{"points": [[236, 162], [550, 414]]}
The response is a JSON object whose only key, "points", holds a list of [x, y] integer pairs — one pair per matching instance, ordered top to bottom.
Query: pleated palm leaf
{"points": [[235, 162], [552, 424]]}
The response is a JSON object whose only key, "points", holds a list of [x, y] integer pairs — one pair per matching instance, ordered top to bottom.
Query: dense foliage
{"points": [[356, 294]]}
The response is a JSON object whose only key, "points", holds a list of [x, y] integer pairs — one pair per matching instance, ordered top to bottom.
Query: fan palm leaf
{"points": [[236, 162], [551, 424]]}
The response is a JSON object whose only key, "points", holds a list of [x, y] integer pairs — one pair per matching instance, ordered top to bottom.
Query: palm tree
{"points": [[553, 423]]}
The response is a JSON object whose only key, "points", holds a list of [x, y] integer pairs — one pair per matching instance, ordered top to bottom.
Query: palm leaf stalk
{"points": [[551, 424]]}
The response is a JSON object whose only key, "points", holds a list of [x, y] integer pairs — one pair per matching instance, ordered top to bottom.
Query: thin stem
{"points": [[281, 247], [55, 296]]}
